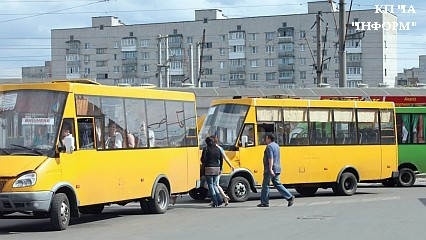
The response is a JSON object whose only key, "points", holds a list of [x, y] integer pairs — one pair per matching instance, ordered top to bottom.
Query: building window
{"points": [[302, 34], [236, 35], [252, 36], [269, 36], [223, 37], [189, 39], [128, 42], [144, 43], [116, 44], [86, 45], [208, 45], [302, 47], [238, 48], [269, 49], [101, 50], [253, 50], [222, 51], [145, 55], [86, 58], [207, 58], [302, 61], [269, 62], [101, 63], [254, 63], [176, 65], [325, 66], [145, 68], [116, 69], [353, 70], [208, 71], [336, 73], [302, 74], [102, 76], [236, 76], [254, 76], [270, 76], [223, 78], [207, 84]]}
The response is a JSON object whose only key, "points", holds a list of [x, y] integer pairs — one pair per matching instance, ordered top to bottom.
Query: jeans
{"points": [[212, 182], [264, 195]]}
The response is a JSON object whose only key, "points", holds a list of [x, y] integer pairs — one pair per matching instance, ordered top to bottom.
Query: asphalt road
{"points": [[375, 212]]}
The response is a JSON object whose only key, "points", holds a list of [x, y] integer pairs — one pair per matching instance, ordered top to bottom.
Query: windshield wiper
{"points": [[27, 148]]}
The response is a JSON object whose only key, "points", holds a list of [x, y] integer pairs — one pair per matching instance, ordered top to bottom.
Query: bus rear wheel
{"points": [[406, 177], [347, 184], [239, 189], [306, 191], [159, 203], [60, 212]]}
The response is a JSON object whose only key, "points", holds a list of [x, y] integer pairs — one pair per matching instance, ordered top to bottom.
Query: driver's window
{"points": [[68, 133], [248, 135]]}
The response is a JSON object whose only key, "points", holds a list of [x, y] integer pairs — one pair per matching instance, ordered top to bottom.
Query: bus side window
{"points": [[262, 130], [248, 132], [86, 133]]}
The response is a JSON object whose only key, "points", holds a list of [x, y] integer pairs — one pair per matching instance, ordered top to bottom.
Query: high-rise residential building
{"points": [[216, 51], [415, 76]]}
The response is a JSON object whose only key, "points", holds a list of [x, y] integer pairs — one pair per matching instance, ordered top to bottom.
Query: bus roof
{"points": [[92, 88], [304, 103]]}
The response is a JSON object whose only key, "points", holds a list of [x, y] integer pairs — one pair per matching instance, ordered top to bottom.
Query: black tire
{"points": [[406, 177], [389, 182], [347, 184], [239, 189], [306, 191], [198, 193], [159, 203], [92, 209], [60, 212]]}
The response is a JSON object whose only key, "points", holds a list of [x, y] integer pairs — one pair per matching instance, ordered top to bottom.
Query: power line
{"points": [[51, 12]]}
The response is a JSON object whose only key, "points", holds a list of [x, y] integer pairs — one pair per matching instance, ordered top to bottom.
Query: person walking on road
{"points": [[271, 172]]}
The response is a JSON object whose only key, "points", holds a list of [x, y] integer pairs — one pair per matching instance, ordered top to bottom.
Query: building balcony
{"points": [[285, 39], [353, 50], [71, 51], [284, 53], [129, 61], [353, 64], [285, 67], [237, 69], [130, 74], [353, 77], [286, 80], [239, 82]]}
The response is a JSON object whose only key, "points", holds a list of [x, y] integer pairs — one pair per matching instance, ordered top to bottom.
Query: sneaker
{"points": [[290, 201], [262, 205]]}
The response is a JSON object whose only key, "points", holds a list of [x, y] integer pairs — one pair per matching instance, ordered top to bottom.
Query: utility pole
{"points": [[342, 37], [319, 52], [201, 58], [160, 63], [191, 63], [167, 65]]}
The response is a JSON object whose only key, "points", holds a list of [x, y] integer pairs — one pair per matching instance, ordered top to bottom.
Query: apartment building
{"points": [[216, 51], [415, 76]]}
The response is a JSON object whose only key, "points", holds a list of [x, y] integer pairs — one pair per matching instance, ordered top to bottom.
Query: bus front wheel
{"points": [[406, 177], [347, 184], [239, 189], [60, 212]]}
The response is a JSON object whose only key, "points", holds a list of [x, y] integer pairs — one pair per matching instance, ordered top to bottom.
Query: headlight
{"points": [[26, 180]]}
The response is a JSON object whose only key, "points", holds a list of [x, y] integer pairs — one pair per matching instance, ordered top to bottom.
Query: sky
{"points": [[25, 25]]}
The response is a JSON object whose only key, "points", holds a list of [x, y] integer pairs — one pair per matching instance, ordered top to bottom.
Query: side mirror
{"points": [[244, 140]]}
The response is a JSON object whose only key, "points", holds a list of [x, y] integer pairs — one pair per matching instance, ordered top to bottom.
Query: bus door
{"points": [[251, 153], [84, 167]]}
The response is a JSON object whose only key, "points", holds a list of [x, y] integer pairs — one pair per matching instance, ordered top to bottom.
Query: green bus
{"points": [[411, 123]]}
